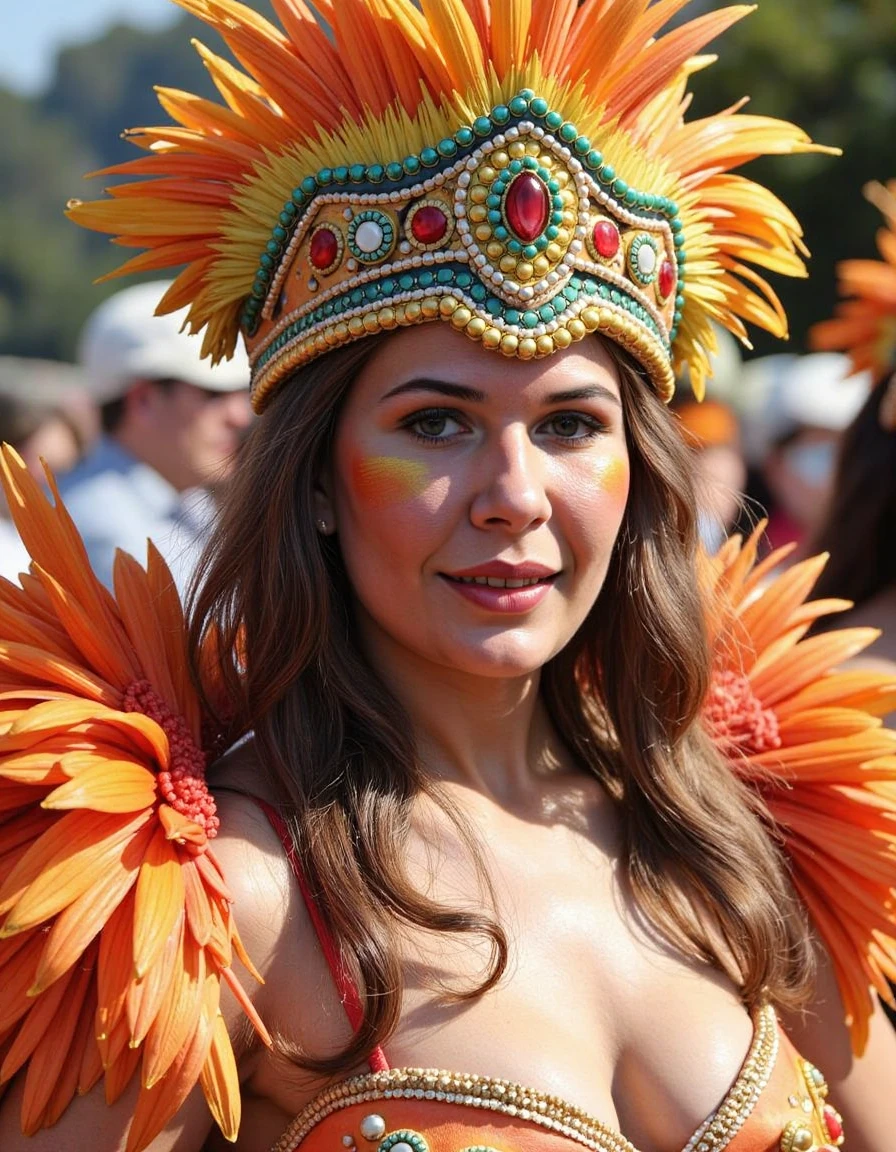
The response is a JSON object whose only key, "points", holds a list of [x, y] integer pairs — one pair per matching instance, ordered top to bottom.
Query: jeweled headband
{"points": [[520, 170]]}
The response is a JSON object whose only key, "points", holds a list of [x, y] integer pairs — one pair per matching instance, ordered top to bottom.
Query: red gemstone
{"points": [[527, 207], [429, 224], [606, 239], [324, 248], [667, 279], [833, 1124]]}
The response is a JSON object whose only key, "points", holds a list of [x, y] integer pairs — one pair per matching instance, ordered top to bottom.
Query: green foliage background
{"points": [[829, 65]]}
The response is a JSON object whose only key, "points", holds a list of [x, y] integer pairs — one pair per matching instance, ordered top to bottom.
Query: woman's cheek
{"points": [[612, 477], [384, 481]]}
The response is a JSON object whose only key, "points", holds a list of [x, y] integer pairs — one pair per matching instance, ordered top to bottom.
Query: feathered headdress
{"points": [[521, 170], [864, 324]]}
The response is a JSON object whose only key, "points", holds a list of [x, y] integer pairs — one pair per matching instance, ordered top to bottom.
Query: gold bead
{"points": [[533, 147], [517, 150], [500, 160], [487, 174], [561, 176], [478, 194], [568, 198], [477, 213], [569, 219], [483, 233], [495, 250], [554, 253], [508, 263], [541, 264], [524, 271], [447, 305], [430, 306], [413, 311], [461, 317], [590, 317], [386, 318], [371, 322], [356, 326], [476, 327], [576, 328], [342, 330], [491, 337], [331, 338], [562, 338], [509, 344], [545, 345], [527, 348]]}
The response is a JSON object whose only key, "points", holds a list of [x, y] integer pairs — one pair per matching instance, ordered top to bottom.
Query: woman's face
{"points": [[477, 501]]}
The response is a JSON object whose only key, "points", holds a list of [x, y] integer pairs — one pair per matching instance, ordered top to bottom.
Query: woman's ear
{"points": [[324, 505]]}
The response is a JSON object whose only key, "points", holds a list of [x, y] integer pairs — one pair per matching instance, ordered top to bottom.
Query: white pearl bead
{"points": [[369, 236], [646, 260], [373, 1127]]}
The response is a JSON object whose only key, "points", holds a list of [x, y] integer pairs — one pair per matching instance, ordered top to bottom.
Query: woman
{"points": [[478, 825]]}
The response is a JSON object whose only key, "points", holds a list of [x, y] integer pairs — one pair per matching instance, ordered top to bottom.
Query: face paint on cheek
{"points": [[613, 477], [383, 480]]}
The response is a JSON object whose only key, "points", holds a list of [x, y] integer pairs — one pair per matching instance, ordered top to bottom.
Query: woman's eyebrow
{"points": [[422, 384], [591, 392]]}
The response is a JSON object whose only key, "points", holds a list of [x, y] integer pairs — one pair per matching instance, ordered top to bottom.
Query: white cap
{"points": [[123, 341], [781, 394]]}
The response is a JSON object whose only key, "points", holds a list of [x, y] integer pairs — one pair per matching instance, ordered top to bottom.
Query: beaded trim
{"points": [[522, 258], [549, 1112]]}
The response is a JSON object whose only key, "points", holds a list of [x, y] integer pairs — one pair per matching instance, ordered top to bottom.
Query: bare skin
{"points": [[594, 1007]]}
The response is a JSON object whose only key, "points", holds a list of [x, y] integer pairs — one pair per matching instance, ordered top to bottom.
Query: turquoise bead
{"points": [[527, 94], [519, 105], [539, 106], [501, 114], [553, 120], [482, 125], [568, 132], [464, 136], [582, 145], [447, 147], [429, 157], [594, 159], [531, 163], [411, 164], [515, 166], [394, 171], [357, 173], [376, 173], [340, 174], [607, 174], [325, 176], [309, 185], [620, 187], [493, 201], [494, 216], [285, 219], [501, 232], [552, 232], [514, 246], [273, 247], [530, 251], [444, 276], [426, 279], [478, 292], [493, 307], [546, 312], [512, 316], [530, 319]]}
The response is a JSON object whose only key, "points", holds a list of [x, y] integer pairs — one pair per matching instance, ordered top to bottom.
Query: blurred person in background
{"points": [[796, 409], [46, 416], [172, 426], [711, 427], [859, 529]]}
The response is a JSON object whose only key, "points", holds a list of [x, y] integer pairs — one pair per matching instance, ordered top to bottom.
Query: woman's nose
{"points": [[511, 490]]}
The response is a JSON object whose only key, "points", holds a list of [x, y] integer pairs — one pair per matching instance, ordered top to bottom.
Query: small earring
{"points": [[322, 526]]}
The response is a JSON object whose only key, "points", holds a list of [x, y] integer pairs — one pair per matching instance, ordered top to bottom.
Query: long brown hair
{"points": [[625, 695]]}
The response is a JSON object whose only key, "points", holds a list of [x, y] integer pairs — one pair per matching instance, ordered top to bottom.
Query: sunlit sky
{"points": [[32, 31]]}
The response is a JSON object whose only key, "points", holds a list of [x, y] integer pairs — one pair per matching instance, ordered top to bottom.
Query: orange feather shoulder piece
{"points": [[804, 729], [116, 929]]}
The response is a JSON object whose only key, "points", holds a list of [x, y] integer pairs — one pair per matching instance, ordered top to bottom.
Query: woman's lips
{"points": [[504, 594]]}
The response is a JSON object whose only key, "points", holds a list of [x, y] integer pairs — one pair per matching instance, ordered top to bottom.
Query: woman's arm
{"points": [[862, 1089]]}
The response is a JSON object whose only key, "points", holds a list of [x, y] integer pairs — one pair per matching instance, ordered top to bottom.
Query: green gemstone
{"points": [[527, 94], [519, 105], [539, 106], [501, 114], [553, 120], [482, 125], [568, 132], [464, 136], [582, 145], [447, 147], [429, 157], [594, 159], [530, 163], [411, 164], [515, 166], [394, 171], [357, 173], [376, 173], [340, 174], [607, 174], [325, 176], [309, 185], [620, 187], [298, 197], [493, 201], [494, 216], [557, 218], [501, 232], [552, 232], [279, 233], [541, 243], [514, 246], [273, 247], [530, 251], [444, 276], [426, 279], [464, 280], [575, 282], [406, 283], [389, 287], [372, 291], [478, 292], [258, 293], [358, 296], [493, 307], [546, 312], [512, 316], [530, 319]]}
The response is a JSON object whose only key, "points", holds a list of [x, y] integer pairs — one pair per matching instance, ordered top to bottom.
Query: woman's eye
{"points": [[439, 424], [573, 426]]}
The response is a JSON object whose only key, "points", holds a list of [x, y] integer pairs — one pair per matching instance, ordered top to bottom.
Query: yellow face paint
{"points": [[613, 476], [384, 480]]}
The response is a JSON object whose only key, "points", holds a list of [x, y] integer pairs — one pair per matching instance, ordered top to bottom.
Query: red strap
{"points": [[348, 993]]}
